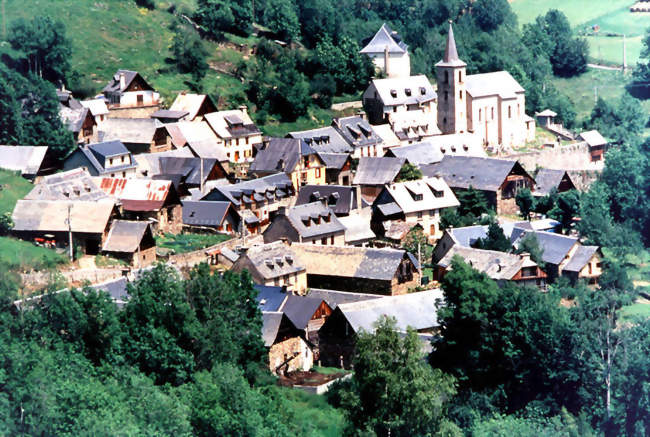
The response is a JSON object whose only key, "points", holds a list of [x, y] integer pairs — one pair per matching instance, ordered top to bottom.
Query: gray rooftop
{"points": [[385, 38], [497, 83], [411, 90], [130, 130], [356, 131], [323, 139], [280, 155], [26, 159], [334, 161], [377, 170], [481, 173], [547, 179], [76, 184], [273, 187], [340, 198], [204, 212], [314, 219], [125, 236], [555, 247], [580, 258], [273, 260], [497, 265], [334, 298]]}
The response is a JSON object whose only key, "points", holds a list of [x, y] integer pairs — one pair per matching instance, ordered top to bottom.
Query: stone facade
{"points": [[290, 355]]}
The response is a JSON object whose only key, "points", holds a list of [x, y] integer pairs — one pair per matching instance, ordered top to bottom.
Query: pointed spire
{"points": [[451, 54]]}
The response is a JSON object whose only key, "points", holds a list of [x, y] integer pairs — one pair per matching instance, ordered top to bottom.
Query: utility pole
{"points": [[70, 233], [419, 266]]}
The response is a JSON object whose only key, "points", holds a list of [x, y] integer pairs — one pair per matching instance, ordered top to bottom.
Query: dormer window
{"points": [[423, 90], [407, 91], [393, 93], [438, 193], [417, 197], [192, 213], [269, 263]]}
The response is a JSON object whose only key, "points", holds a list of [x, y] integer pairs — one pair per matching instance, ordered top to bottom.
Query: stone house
{"points": [[388, 53], [129, 95], [98, 109], [80, 122], [236, 132], [139, 135], [360, 135], [326, 139], [433, 149], [291, 156], [110, 159], [338, 168], [374, 173], [498, 179], [154, 200], [257, 201], [420, 201], [313, 223], [131, 241], [273, 264], [499, 266], [350, 268], [338, 335], [288, 350]]}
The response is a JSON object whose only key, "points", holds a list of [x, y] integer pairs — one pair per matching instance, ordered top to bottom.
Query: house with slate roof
{"points": [[388, 53], [129, 95], [195, 106], [98, 109], [80, 122], [236, 132], [139, 135], [360, 135], [200, 139], [324, 140], [433, 149], [291, 156], [110, 158], [30, 161], [338, 168], [373, 173], [498, 179], [547, 180], [74, 184], [341, 199], [150, 200], [257, 201], [420, 201], [212, 215], [313, 223], [131, 241], [273, 264], [499, 266], [348, 268], [338, 335], [288, 349]]}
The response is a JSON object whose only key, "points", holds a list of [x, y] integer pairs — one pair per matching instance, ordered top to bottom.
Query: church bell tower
{"points": [[450, 77]]}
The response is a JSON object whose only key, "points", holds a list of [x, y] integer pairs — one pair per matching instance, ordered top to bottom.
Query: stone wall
{"points": [[132, 112], [570, 157], [73, 277], [281, 352]]}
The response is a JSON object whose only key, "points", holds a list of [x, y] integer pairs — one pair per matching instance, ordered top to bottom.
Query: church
{"points": [[489, 105]]}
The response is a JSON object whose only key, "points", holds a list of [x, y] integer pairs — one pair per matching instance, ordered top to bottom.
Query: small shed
{"points": [[131, 241]]}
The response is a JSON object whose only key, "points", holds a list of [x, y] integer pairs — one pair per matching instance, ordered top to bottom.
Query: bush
{"points": [[149, 4]]}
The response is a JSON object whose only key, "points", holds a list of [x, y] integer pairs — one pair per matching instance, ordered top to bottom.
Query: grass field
{"points": [[612, 16], [12, 188], [183, 243], [23, 255], [312, 414]]}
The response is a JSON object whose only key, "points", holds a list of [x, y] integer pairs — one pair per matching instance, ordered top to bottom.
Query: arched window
{"points": [[460, 76], [446, 77], [460, 93], [509, 111], [479, 115]]}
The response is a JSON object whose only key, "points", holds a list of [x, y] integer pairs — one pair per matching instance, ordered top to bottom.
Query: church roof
{"points": [[385, 38], [451, 58], [497, 83]]}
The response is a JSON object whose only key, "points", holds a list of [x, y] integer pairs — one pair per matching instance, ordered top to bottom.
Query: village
{"points": [[338, 226]]}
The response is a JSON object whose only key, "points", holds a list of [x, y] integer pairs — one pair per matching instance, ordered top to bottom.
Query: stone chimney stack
{"points": [[386, 61], [122, 81], [244, 109]]}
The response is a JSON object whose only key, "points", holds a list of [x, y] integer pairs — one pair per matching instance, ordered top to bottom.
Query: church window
{"points": [[460, 76], [446, 77], [461, 94], [446, 96], [518, 110], [509, 111], [492, 113], [479, 115], [444, 121]]}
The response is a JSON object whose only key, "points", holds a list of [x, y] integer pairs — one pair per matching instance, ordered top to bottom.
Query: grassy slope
{"points": [[611, 15], [183, 243], [16, 254], [313, 415]]}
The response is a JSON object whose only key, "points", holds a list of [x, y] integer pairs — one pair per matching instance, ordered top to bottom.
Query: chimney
{"points": [[386, 56], [122, 81], [244, 109], [357, 188], [285, 241]]}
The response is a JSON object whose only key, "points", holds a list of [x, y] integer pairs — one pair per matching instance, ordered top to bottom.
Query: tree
{"points": [[149, 4], [490, 14], [219, 16], [282, 18], [45, 46], [190, 54], [569, 56], [341, 59], [622, 122], [10, 123], [408, 172], [624, 176], [472, 202], [525, 202], [566, 209], [6, 223], [495, 239], [530, 245], [394, 392]]}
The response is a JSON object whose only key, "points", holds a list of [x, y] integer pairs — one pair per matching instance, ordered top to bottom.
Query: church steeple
{"points": [[452, 99]]}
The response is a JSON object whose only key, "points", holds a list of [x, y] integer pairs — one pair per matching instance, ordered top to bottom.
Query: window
{"points": [[460, 76], [446, 77], [460, 93], [140, 99], [509, 111], [492, 113], [479, 115], [444, 121], [122, 158], [110, 161], [318, 172], [123, 174], [417, 197], [432, 212], [419, 214], [323, 241], [332, 242]]}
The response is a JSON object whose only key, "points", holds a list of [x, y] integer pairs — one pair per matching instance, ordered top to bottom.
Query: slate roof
{"points": [[385, 38], [450, 58], [497, 83], [114, 84], [410, 90], [188, 103], [96, 106], [546, 113], [169, 114], [73, 118], [233, 123], [413, 125], [129, 130], [356, 131], [385, 132], [593, 138], [201, 139], [324, 139], [433, 149], [97, 154], [280, 155], [25, 159], [334, 161], [188, 168], [377, 170], [464, 171], [547, 179], [76, 184], [273, 187], [434, 192], [137, 194], [340, 198], [204, 212], [52, 215], [316, 215], [357, 228], [397, 229], [125, 236], [467, 236], [555, 247], [580, 258], [273, 260], [349, 261], [497, 265], [116, 289], [270, 298], [334, 298], [300, 309], [417, 310], [271, 322]]}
